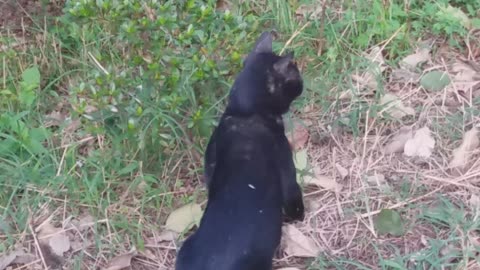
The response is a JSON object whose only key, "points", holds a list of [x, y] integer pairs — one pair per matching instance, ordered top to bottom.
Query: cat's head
{"points": [[268, 83]]}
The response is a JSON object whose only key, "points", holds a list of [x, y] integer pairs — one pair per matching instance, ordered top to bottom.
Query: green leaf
{"points": [[476, 23], [31, 76], [435, 80], [27, 95], [39, 134], [7, 146], [36, 147], [301, 159], [129, 168], [184, 218], [389, 221]]}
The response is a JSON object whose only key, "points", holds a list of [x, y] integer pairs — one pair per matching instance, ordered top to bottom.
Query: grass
{"points": [[105, 113]]}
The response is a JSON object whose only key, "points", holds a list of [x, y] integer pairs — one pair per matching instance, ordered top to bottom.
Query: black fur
{"points": [[250, 173]]}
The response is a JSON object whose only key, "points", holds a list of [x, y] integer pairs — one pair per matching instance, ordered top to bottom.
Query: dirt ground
{"points": [[17, 14]]}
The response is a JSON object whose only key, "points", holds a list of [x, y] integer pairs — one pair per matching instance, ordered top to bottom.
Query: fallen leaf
{"points": [[223, 5], [310, 12], [376, 57], [410, 62], [465, 71], [404, 76], [465, 76], [367, 79], [435, 80], [395, 107], [55, 118], [297, 136], [397, 143], [421, 144], [462, 154], [300, 160], [341, 170], [377, 178], [321, 181], [474, 202], [313, 205], [184, 218], [389, 221], [85, 222], [46, 231], [164, 236], [55, 238], [474, 240], [424, 241], [59, 244], [79, 244], [296, 244], [450, 251], [18, 256], [6, 260], [121, 261]]}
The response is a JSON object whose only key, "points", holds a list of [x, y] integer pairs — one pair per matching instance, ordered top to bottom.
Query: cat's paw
{"points": [[294, 210]]}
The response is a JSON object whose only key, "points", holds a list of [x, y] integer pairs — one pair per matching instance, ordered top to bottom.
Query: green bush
{"points": [[161, 67]]}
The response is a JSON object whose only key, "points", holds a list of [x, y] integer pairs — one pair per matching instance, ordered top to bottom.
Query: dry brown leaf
{"points": [[223, 5], [311, 11], [375, 56], [410, 62], [465, 71], [404, 76], [466, 76], [367, 79], [395, 107], [55, 118], [297, 136], [397, 143], [421, 145], [462, 154], [341, 170], [377, 178], [321, 181], [474, 202], [312, 204], [184, 218], [85, 222], [46, 231], [164, 236], [54, 237], [474, 239], [295, 243], [59, 244], [78, 244], [16, 257], [6, 260], [121, 261]]}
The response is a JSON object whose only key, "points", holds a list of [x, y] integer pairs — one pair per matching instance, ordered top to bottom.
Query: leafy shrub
{"points": [[160, 67]]}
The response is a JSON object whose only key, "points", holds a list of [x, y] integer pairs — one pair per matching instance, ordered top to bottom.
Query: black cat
{"points": [[250, 173]]}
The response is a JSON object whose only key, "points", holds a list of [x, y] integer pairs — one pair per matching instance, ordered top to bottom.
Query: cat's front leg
{"points": [[210, 159], [291, 191]]}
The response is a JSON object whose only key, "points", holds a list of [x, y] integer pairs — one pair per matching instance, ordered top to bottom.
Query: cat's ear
{"points": [[264, 43], [281, 66]]}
